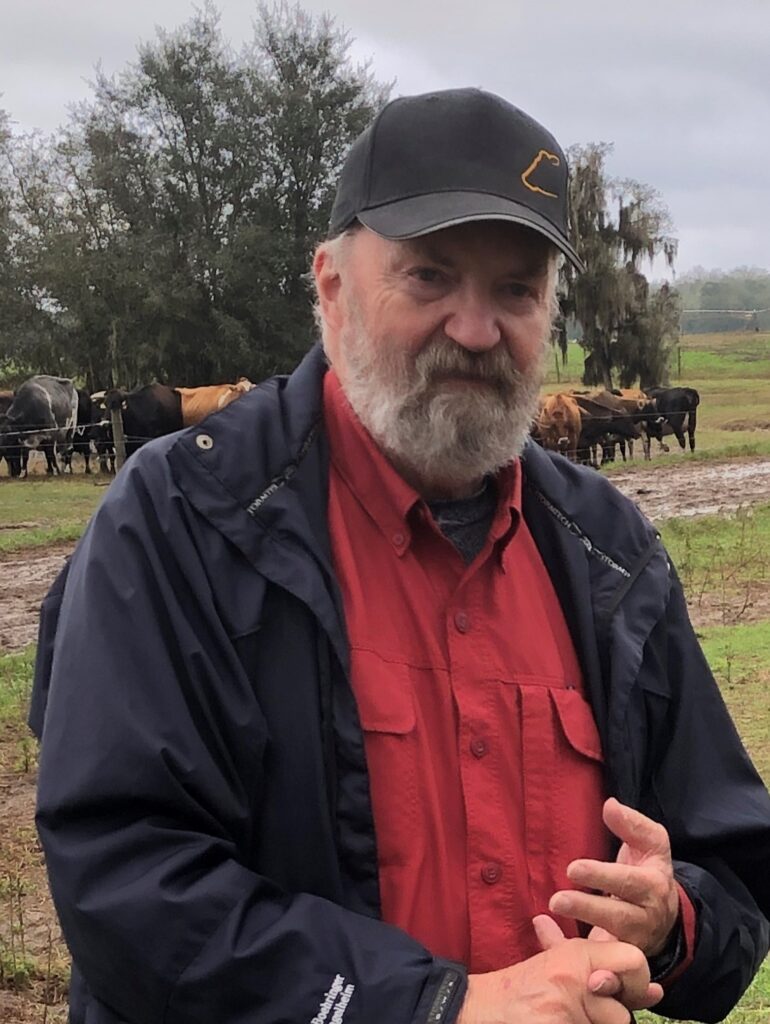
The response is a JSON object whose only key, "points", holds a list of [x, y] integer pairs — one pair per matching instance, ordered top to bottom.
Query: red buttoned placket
{"points": [[484, 760]]}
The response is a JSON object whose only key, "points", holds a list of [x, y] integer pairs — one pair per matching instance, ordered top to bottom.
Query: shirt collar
{"points": [[386, 497]]}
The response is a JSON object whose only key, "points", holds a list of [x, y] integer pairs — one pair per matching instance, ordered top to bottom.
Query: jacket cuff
{"points": [[669, 964], [442, 1002]]}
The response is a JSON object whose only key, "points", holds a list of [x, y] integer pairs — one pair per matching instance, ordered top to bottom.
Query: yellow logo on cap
{"points": [[542, 155]]}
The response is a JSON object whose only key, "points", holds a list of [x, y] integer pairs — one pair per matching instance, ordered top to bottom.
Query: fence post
{"points": [[118, 436]]}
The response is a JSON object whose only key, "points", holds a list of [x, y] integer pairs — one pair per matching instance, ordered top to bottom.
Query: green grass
{"points": [[39, 512], [717, 552], [740, 659], [15, 683], [18, 750], [754, 1008]]}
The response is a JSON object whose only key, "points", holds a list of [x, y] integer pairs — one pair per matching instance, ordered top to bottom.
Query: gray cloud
{"points": [[680, 87]]}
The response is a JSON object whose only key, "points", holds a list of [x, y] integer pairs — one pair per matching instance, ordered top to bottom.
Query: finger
{"points": [[641, 833], [639, 885], [626, 921], [549, 934], [631, 968], [604, 983], [601, 1010], [604, 1010]]}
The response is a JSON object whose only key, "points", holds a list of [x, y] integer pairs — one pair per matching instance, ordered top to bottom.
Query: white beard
{"points": [[443, 433]]}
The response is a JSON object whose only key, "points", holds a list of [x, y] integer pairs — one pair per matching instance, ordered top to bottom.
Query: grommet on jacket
{"points": [[205, 441]]}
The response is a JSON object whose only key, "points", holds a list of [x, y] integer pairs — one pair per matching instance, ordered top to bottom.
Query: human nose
{"points": [[473, 323]]}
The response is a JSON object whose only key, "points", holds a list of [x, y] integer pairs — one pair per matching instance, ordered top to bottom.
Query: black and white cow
{"points": [[43, 415], [82, 435]]}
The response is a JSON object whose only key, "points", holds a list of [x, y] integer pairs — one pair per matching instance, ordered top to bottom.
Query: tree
{"points": [[168, 228], [611, 298]]}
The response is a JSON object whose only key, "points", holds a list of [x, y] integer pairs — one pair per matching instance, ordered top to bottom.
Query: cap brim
{"points": [[419, 215]]}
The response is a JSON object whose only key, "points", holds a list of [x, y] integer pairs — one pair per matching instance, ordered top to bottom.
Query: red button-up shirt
{"points": [[484, 759]]}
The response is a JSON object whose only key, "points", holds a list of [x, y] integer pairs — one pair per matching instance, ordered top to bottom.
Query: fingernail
{"points": [[599, 987]]}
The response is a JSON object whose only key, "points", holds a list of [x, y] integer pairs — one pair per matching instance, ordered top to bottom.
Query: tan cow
{"points": [[198, 403], [559, 423]]}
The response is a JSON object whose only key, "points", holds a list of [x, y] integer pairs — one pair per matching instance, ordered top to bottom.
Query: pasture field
{"points": [[731, 372], [39, 512], [723, 560]]}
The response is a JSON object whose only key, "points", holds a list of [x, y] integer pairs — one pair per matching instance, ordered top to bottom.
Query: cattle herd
{"points": [[52, 415], [583, 424]]}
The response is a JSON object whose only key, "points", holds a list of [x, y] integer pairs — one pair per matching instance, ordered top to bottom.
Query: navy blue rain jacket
{"points": [[203, 799]]}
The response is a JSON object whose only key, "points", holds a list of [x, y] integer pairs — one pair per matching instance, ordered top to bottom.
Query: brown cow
{"points": [[198, 403], [559, 424]]}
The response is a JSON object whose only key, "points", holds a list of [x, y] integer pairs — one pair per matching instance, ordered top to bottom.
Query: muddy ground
{"points": [[682, 488]]}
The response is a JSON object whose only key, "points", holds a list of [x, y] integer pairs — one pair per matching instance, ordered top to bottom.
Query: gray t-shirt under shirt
{"points": [[466, 521]]}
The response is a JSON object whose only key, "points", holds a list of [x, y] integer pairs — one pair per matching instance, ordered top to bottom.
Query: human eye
{"points": [[427, 275], [519, 290]]}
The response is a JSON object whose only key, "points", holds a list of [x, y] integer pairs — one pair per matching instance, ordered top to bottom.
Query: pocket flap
{"points": [[383, 692], [577, 722]]}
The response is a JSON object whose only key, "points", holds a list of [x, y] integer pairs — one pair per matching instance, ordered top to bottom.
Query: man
{"points": [[364, 711]]}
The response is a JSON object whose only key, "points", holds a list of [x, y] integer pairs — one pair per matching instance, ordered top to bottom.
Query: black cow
{"points": [[677, 407], [148, 412], [42, 415], [602, 416], [81, 437], [9, 445], [9, 448]]}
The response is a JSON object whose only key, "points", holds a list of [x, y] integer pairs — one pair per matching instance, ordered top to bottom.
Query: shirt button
{"points": [[399, 539], [462, 622], [479, 747], [491, 873]]}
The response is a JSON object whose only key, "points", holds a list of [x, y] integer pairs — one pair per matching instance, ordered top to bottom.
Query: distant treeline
{"points": [[712, 291]]}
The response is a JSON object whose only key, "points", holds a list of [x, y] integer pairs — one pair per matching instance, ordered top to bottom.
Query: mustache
{"points": [[442, 357]]}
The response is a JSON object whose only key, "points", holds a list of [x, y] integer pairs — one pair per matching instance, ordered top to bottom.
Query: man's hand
{"points": [[640, 904], [600, 982], [553, 986]]}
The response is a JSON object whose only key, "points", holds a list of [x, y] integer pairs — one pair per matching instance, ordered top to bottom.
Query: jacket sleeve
{"points": [[148, 793], [717, 810]]}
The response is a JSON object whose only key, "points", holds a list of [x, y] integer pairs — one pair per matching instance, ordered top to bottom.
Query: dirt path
{"points": [[682, 488], [687, 488], [24, 579]]}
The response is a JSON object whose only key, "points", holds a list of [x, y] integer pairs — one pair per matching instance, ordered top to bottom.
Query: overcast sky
{"points": [[680, 87]]}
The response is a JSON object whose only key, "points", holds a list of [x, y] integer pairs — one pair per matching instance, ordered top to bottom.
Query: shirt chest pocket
{"points": [[386, 707], [564, 786]]}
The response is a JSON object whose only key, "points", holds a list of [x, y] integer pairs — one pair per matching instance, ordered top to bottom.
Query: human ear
{"points": [[328, 283]]}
